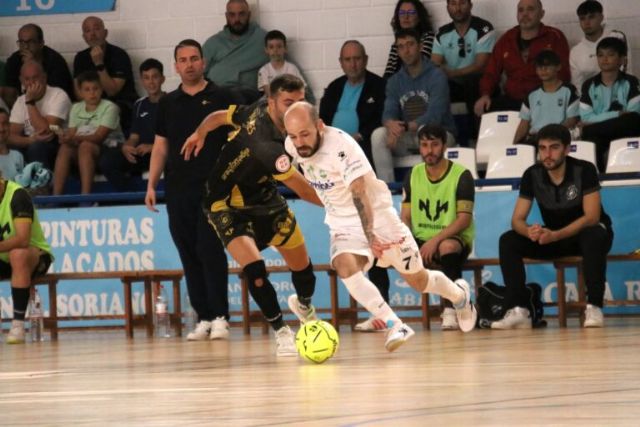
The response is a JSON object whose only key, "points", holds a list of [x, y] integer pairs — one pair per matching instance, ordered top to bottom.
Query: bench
{"points": [[560, 264], [151, 280], [338, 315]]}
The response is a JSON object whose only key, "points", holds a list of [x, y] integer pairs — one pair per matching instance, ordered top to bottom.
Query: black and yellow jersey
{"points": [[245, 174]]}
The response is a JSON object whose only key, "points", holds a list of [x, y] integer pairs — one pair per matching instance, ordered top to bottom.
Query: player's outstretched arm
{"points": [[196, 141], [297, 183]]}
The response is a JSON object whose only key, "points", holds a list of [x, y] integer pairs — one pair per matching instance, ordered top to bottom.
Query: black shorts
{"points": [[277, 227], [43, 266]]}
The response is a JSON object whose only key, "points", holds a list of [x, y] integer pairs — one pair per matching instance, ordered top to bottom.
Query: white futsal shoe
{"points": [[304, 314], [467, 314], [593, 317], [515, 318], [449, 320], [372, 324], [219, 329], [201, 331], [16, 333], [398, 335], [285, 342]]}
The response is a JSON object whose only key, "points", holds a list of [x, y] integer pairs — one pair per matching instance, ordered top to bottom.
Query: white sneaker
{"points": [[304, 314], [467, 315], [593, 317], [515, 318], [449, 320], [372, 324], [219, 329], [201, 332], [16, 333], [397, 336], [285, 342]]}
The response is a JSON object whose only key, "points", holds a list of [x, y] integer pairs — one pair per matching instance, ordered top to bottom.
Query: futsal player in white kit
{"points": [[363, 222]]}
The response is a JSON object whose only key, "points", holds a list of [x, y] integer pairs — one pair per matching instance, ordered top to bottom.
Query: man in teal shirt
{"points": [[235, 54]]}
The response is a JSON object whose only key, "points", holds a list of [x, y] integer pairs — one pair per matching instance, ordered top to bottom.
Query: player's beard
{"points": [[239, 28], [311, 150], [552, 165]]}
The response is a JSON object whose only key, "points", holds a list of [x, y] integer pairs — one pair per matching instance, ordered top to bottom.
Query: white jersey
{"points": [[332, 169]]}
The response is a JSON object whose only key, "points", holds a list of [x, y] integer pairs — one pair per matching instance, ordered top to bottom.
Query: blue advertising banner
{"points": [[53, 7], [132, 238]]}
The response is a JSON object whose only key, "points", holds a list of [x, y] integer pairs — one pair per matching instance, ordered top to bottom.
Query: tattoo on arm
{"points": [[361, 202]]}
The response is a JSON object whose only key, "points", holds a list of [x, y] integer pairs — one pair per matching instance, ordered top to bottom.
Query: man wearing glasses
{"points": [[31, 47], [462, 49], [235, 54]]}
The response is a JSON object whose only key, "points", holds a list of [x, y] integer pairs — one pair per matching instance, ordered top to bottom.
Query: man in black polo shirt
{"points": [[112, 64], [568, 194], [201, 252]]}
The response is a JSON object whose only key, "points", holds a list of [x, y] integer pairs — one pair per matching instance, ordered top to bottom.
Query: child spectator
{"points": [[275, 46], [610, 100], [553, 102], [93, 123], [133, 157], [11, 161]]}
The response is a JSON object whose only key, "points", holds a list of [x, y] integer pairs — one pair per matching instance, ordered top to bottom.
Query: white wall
{"points": [[315, 28]]}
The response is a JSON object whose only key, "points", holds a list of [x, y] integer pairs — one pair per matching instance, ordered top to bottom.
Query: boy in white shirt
{"points": [[275, 46]]}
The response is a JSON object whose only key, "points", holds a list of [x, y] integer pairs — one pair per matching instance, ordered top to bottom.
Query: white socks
{"points": [[440, 284], [366, 293]]}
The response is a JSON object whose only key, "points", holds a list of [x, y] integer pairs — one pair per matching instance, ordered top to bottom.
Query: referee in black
{"points": [[201, 252]]}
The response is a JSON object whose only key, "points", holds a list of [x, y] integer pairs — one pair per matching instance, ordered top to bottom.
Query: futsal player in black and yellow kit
{"points": [[245, 208], [24, 252]]}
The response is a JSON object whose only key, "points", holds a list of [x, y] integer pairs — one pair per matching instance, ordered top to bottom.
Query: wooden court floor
{"points": [[541, 377]]}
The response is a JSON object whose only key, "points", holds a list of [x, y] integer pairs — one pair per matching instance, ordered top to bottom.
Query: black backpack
{"points": [[490, 304]]}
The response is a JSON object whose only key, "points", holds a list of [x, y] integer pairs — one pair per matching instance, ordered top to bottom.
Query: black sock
{"points": [[452, 268], [380, 278], [304, 281], [263, 293], [20, 302]]}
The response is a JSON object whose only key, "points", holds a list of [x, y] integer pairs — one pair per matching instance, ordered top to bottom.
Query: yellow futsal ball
{"points": [[317, 341]]}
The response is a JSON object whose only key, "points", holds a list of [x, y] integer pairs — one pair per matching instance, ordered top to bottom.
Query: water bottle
{"points": [[162, 314], [189, 314], [36, 327]]}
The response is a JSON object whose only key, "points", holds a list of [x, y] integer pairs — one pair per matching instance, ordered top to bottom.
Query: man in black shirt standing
{"points": [[568, 194], [201, 252]]}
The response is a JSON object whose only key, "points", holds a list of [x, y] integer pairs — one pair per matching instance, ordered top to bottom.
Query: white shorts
{"points": [[404, 255]]}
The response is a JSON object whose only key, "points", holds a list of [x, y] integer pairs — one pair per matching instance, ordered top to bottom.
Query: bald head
{"points": [[530, 14], [238, 16], [93, 31], [353, 60], [32, 72], [304, 128]]}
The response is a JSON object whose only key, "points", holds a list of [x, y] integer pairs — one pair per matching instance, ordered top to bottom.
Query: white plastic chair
{"points": [[496, 129], [584, 150], [624, 155], [465, 156], [510, 162]]}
